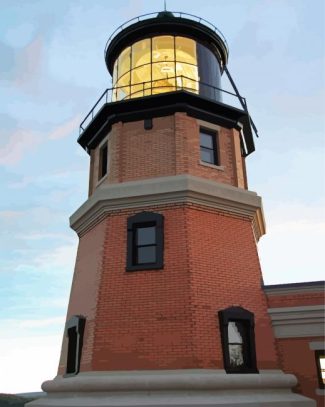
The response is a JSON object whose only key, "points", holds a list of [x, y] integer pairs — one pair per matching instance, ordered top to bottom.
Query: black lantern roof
{"points": [[166, 23]]}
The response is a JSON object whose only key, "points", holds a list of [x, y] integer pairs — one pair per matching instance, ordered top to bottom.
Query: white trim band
{"points": [[168, 190], [295, 322], [191, 379], [173, 388]]}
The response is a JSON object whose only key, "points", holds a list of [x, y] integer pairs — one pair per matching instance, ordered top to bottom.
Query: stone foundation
{"points": [[172, 388]]}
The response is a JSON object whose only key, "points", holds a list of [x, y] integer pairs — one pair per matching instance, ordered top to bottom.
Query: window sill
{"points": [[216, 167], [101, 180], [145, 267], [242, 371], [70, 374], [320, 392]]}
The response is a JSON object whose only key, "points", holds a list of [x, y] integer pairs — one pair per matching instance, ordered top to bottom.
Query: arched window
{"points": [[145, 241], [74, 331], [238, 340]]}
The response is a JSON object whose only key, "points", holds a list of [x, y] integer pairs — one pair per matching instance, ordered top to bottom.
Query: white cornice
{"points": [[168, 190], [302, 288], [295, 322]]}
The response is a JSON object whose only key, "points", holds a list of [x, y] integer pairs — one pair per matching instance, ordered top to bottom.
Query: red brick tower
{"points": [[166, 305]]}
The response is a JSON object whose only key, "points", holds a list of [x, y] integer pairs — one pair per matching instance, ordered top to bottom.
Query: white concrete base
{"points": [[173, 388]]}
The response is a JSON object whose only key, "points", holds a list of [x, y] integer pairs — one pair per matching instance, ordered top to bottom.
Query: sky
{"points": [[52, 71]]}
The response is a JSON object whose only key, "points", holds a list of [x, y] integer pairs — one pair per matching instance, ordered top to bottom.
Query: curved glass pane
{"points": [[163, 49], [185, 50], [141, 54], [124, 61], [165, 64], [115, 73], [209, 73], [163, 77], [187, 77], [141, 81], [123, 87]]}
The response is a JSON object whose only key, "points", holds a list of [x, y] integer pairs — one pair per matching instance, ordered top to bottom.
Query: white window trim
{"points": [[215, 167]]}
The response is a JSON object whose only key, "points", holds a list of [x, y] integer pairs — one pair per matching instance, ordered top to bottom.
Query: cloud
{"points": [[7, 62], [29, 63], [22, 67], [65, 129], [19, 143], [53, 180], [10, 215], [37, 219], [42, 236], [36, 240], [59, 260], [32, 304], [38, 323], [14, 324], [36, 357]]}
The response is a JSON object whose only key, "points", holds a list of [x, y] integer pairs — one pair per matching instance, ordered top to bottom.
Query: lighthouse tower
{"points": [[166, 305]]}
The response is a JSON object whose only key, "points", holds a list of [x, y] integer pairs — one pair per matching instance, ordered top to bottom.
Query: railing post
{"points": [[143, 88]]}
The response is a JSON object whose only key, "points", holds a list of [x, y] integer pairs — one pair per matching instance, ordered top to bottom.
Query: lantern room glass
{"points": [[156, 65]]}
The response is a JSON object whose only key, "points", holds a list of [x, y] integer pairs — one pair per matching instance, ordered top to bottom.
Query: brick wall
{"points": [[171, 147], [84, 291], [295, 300], [167, 319], [295, 355], [297, 358]]}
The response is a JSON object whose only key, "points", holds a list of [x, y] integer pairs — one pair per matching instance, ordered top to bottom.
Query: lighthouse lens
{"points": [[156, 65]]}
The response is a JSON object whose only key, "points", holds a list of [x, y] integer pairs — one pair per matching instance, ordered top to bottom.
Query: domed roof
{"points": [[164, 14], [166, 23]]}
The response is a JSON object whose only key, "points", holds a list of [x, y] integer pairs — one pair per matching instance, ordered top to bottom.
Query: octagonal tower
{"points": [[166, 304]]}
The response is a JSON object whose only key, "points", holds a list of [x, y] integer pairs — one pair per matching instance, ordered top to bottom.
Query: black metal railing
{"points": [[178, 14], [149, 88]]}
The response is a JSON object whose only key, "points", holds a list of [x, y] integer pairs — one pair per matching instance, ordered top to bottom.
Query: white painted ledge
{"points": [[168, 190], [298, 322], [317, 345], [192, 379], [173, 388]]}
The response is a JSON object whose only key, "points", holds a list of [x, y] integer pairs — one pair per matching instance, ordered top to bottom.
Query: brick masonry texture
{"points": [[171, 147], [84, 290], [295, 300], [167, 319], [294, 353], [297, 358]]}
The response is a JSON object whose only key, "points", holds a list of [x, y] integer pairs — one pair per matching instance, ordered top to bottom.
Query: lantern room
{"points": [[165, 54]]}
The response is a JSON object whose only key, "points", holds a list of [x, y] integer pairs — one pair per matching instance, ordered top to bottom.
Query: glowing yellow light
{"points": [[157, 65], [167, 69]]}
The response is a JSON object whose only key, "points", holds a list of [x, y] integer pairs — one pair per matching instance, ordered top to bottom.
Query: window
{"points": [[208, 147], [103, 161], [145, 241], [74, 331], [238, 340], [320, 363]]}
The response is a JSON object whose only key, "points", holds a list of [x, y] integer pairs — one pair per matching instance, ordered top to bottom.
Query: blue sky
{"points": [[52, 71]]}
